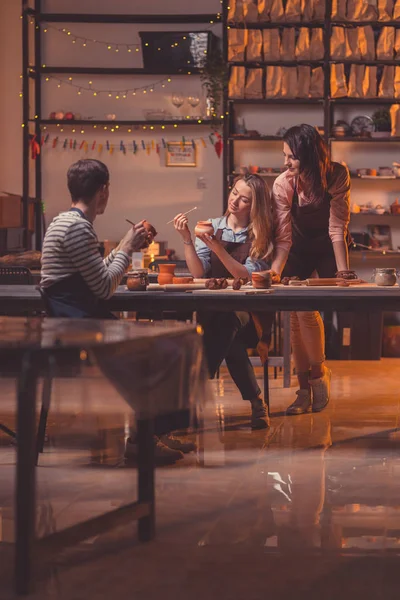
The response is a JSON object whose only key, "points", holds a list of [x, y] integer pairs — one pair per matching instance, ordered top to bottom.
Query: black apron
{"points": [[72, 297]]}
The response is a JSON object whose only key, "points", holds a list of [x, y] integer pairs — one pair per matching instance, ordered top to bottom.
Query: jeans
{"points": [[227, 336]]}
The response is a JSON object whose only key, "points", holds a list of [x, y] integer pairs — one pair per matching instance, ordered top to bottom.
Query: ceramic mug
{"points": [[166, 274]]}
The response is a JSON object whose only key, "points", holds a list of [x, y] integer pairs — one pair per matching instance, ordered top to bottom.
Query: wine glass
{"points": [[178, 100], [193, 100]]}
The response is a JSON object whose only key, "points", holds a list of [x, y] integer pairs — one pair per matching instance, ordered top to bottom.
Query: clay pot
{"points": [[253, 169], [204, 227], [150, 229], [166, 274], [184, 280], [137, 281], [261, 281]]}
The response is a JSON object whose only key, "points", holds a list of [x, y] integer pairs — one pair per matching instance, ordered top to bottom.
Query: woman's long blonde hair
{"points": [[261, 217]]}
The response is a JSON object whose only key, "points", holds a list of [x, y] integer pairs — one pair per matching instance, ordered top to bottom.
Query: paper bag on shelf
{"points": [[319, 8], [306, 9], [355, 9], [264, 10], [293, 10], [339, 10], [385, 10], [250, 11], [369, 11], [396, 11], [235, 12], [277, 12], [237, 42], [366, 42], [288, 43], [338, 43], [271, 44], [303, 44], [254, 45], [385, 45], [397, 45], [352, 49], [317, 50], [356, 80], [303, 81], [338, 81], [237, 82], [274, 82], [289, 82], [370, 82], [397, 82], [317, 83], [254, 84], [386, 86], [395, 119]]}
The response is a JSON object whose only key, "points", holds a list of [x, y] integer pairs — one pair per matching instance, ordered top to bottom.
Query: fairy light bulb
{"points": [[109, 47]]}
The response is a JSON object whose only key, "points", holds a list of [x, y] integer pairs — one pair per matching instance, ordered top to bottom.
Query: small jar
{"points": [[204, 227], [385, 277], [137, 281], [261, 281]]}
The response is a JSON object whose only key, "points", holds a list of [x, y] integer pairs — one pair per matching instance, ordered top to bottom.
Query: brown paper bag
{"points": [[319, 8], [306, 9], [355, 9], [264, 10], [293, 10], [339, 10], [385, 10], [250, 11], [369, 11], [396, 11], [235, 12], [277, 12], [237, 42], [366, 42], [288, 43], [338, 43], [271, 44], [303, 44], [254, 45], [385, 45], [397, 45], [352, 49], [317, 50], [356, 80], [303, 81], [338, 81], [237, 82], [274, 82], [289, 82], [370, 82], [397, 82], [317, 83], [386, 86], [254, 87], [395, 119]]}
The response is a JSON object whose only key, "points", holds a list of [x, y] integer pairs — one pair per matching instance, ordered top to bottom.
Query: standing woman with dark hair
{"points": [[312, 204], [241, 244]]}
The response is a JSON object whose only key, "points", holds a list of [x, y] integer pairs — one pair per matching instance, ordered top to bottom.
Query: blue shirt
{"points": [[228, 235]]}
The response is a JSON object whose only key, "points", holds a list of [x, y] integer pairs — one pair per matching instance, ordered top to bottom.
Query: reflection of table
{"points": [[156, 368]]}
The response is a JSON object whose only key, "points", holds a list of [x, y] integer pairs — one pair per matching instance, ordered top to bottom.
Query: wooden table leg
{"points": [[287, 351], [145, 441], [25, 500]]}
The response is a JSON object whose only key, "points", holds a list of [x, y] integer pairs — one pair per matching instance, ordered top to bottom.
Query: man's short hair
{"points": [[85, 178]]}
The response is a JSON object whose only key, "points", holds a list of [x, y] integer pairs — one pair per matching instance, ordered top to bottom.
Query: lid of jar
{"points": [[388, 271]]}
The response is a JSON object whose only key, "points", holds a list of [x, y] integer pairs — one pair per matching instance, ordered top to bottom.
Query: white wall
{"points": [[141, 185]]}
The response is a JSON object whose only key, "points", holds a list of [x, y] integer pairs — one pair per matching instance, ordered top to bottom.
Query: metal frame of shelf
{"points": [[32, 99], [328, 104]]}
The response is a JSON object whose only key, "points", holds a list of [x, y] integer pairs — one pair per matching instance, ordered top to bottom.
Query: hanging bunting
{"points": [[74, 144], [94, 145], [218, 145], [35, 148], [100, 148]]}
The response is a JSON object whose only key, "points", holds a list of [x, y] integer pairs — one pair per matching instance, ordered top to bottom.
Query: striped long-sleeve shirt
{"points": [[71, 246]]}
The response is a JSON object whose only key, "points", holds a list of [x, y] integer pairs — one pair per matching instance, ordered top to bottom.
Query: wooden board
{"points": [[358, 286], [244, 290]]}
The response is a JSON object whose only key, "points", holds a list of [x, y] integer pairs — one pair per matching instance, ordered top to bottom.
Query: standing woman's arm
{"points": [[282, 197], [340, 216]]}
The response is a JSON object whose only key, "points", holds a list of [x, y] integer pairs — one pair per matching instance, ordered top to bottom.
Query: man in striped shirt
{"points": [[76, 281]]}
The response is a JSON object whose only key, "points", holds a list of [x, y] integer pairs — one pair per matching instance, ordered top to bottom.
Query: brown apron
{"points": [[262, 320]]}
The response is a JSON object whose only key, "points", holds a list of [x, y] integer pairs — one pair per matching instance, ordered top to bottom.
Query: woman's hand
{"points": [[181, 226], [212, 243], [276, 278]]}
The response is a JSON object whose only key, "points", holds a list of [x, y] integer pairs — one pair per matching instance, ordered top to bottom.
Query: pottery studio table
{"points": [[156, 368]]}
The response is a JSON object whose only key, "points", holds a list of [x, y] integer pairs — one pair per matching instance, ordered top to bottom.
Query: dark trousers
{"points": [[227, 336]]}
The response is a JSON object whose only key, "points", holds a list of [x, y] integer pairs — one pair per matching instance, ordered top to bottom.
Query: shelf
{"points": [[114, 18], [365, 23], [274, 25], [377, 62], [277, 63], [110, 71], [277, 101], [363, 101], [67, 122], [255, 138], [387, 140], [260, 174], [373, 215]]}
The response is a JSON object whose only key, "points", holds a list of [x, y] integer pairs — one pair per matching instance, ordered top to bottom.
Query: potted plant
{"points": [[214, 78], [382, 122]]}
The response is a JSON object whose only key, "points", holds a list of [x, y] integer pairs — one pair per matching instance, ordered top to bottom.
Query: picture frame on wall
{"points": [[179, 154], [380, 237]]}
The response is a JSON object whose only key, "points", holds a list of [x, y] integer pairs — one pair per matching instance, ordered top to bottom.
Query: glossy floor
{"points": [[307, 509]]}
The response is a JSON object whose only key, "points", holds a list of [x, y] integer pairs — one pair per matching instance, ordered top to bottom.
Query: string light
{"points": [[97, 92]]}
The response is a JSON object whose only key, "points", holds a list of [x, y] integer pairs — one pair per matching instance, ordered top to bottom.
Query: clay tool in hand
{"points": [[185, 213], [130, 222]]}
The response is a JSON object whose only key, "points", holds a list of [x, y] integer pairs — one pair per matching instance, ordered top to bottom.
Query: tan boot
{"points": [[321, 390], [301, 405], [259, 414]]}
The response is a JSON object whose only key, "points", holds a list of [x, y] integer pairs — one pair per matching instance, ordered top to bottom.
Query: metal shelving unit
{"points": [[33, 70]]}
